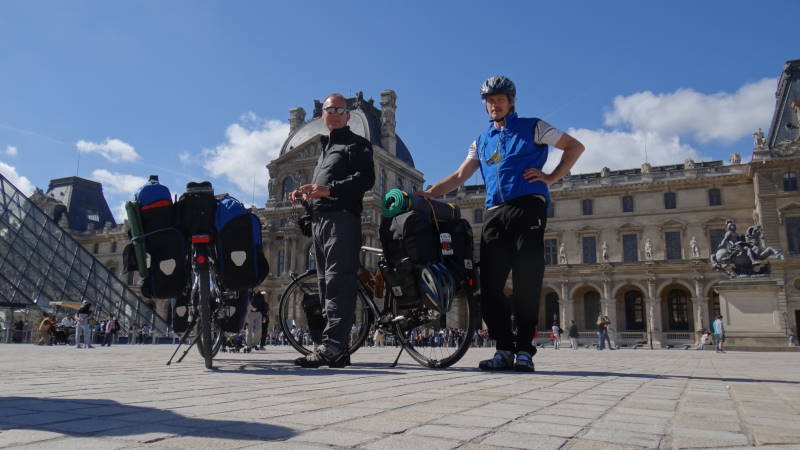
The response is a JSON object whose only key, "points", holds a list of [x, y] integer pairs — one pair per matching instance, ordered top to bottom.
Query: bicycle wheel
{"points": [[300, 315], [217, 338], [435, 340], [205, 342]]}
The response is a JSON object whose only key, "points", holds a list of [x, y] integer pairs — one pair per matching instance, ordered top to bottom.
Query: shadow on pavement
{"points": [[261, 367], [586, 373], [108, 418]]}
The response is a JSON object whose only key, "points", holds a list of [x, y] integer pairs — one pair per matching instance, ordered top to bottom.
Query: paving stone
{"points": [[547, 418], [471, 421], [378, 424], [548, 429], [449, 432], [337, 437], [622, 437], [691, 437], [9, 438], [523, 440], [411, 442], [86, 443], [583, 444]]}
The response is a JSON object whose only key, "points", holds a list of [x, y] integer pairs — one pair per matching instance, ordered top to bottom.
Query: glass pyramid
{"points": [[41, 263]]}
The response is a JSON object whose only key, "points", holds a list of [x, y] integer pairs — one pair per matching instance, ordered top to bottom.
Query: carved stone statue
{"points": [[796, 109], [759, 141], [736, 158], [689, 163], [646, 168], [605, 172], [648, 249], [695, 249], [604, 251], [562, 254], [743, 256]]}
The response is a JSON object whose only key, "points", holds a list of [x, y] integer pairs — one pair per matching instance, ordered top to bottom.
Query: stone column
{"points": [[297, 117], [388, 121], [286, 266], [566, 305], [653, 313]]}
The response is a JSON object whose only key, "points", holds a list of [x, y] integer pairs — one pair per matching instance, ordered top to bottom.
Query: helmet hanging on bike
{"points": [[436, 287]]}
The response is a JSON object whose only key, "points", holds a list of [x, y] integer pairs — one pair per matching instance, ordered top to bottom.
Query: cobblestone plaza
{"points": [[125, 397]]}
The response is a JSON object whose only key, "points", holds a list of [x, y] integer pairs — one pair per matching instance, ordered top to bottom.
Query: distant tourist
{"points": [[82, 326], [110, 330], [719, 334], [556, 335], [573, 335]]}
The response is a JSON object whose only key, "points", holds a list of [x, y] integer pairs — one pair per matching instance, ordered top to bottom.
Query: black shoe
{"points": [[320, 357]]}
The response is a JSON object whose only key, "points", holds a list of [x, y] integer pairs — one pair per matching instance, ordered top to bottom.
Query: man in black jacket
{"points": [[344, 172]]}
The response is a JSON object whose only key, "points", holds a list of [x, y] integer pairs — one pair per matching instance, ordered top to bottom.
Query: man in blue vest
{"points": [[511, 154]]}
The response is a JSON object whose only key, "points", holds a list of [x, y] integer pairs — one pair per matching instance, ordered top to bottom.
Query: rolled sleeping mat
{"points": [[396, 202], [135, 224]]}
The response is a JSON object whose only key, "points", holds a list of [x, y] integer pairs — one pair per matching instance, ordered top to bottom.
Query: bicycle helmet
{"points": [[498, 85], [448, 283], [431, 288]]}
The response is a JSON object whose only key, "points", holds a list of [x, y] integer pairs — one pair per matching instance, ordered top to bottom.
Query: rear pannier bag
{"points": [[196, 209], [409, 235], [164, 244], [240, 257], [459, 263], [402, 281], [312, 307]]}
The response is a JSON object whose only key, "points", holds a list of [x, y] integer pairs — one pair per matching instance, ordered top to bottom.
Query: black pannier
{"points": [[196, 209], [409, 235], [164, 244], [240, 256], [459, 260], [402, 280], [312, 307]]}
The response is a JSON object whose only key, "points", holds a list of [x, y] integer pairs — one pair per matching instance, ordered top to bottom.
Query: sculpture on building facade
{"points": [[759, 141], [736, 158], [648, 249], [695, 249], [604, 251], [562, 254], [744, 256]]}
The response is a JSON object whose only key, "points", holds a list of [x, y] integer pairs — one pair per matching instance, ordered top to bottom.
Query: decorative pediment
{"points": [[673, 225], [628, 228]]}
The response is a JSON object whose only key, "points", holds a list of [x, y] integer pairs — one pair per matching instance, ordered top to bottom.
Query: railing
{"points": [[635, 336], [677, 336]]}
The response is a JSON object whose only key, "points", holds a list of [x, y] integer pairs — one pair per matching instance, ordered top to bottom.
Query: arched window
{"points": [[383, 182], [287, 187], [281, 262], [591, 309], [550, 310], [678, 310], [634, 311]]}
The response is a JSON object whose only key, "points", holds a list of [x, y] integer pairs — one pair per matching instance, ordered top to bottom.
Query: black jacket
{"points": [[345, 165], [573, 331]]}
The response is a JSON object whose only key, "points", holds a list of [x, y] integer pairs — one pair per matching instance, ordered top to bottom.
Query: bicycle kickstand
{"points": [[196, 338], [182, 341], [394, 364]]}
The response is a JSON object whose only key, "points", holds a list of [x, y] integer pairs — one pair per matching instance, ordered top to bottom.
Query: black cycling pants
{"points": [[513, 241]]}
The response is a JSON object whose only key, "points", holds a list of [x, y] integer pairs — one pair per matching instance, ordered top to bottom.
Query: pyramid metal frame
{"points": [[40, 262]]}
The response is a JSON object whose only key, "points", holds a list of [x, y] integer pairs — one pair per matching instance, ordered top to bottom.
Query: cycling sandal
{"points": [[502, 360], [524, 362]]}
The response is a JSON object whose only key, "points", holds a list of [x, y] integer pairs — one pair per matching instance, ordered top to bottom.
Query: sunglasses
{"points": [[335, 110]]}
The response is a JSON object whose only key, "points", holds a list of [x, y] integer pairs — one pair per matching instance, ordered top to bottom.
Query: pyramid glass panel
{"points": [[40, 263]]}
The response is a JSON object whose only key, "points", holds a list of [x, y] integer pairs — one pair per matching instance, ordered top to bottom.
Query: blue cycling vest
{"points": [[505, 154]]}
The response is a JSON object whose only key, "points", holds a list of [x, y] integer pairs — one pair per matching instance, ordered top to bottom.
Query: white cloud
{"points": [[706, 117], [663, 123], [250, 145], [11, 150], [113, 150], [623, 150], [185, 157], [21, 183], [118, 183], [120, 214]]}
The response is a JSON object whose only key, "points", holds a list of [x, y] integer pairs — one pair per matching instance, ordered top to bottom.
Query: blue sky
{"points": [[201, 89]]}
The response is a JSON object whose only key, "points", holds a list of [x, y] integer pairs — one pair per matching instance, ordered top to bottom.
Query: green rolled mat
{"points": [[396, 202], [135, 223]]}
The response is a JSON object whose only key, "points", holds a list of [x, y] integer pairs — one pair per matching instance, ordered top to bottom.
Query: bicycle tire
{"points": [[290, 313], [217, 338], [205, 343], [427, 355]]}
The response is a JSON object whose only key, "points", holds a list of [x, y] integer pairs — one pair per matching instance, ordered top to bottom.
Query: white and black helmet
{"points": [[498, 85], [437, 286]]}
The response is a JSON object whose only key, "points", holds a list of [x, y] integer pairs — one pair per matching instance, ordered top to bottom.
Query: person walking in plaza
{"points": [[510, 154], [344, 172], [607, 321], [253, 324], [82, 326], [47, 330], [110, 331], [602, 331], [719, 334], [573, 335], [556, 336]]}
